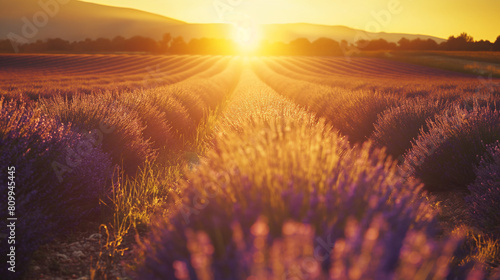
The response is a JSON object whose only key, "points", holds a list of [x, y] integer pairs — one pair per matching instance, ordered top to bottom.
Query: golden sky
{"points": [[441, 18]]}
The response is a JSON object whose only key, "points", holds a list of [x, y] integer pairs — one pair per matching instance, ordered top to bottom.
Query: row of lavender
{"points": [[42, 76], [449, 142], [66, 150], [283, 195]]}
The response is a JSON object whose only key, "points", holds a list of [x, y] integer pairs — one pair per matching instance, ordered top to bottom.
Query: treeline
{"points": [[463, 42], [120, 44], [301, 46], [326, 46]]}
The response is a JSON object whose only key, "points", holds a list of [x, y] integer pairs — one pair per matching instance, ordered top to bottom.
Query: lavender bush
{"points": [[202, 87], [193, 103], [175, 113], [355, 115], [121, 127], [157, 127], [397, 127], [444, 157], [259, 174], [60, 176], [485, 193], [383, 250], [366, 252]]}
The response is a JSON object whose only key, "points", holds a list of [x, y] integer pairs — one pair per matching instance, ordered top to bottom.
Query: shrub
{"points": [[208, 91], [195, 106], [175, 113], [355, 115], [157, 127], [397, 127], [122, 129], [444, 157], [60, 176], [485, 193], [378, 252], [365, 253]]}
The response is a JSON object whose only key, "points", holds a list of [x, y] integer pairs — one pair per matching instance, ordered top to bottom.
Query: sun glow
{"points": [[247, 38]]}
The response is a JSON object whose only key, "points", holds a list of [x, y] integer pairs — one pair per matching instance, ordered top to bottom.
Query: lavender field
{"points": [[239, 167]]}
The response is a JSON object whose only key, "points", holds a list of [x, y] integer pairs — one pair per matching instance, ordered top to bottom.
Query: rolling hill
{"points": [[78, 20], [287, 32]]}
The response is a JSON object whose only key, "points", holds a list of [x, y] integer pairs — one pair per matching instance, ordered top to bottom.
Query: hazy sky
{"points": [[442, 18]]}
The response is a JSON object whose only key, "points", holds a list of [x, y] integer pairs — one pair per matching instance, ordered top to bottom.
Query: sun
{"points": [[247, 38]]}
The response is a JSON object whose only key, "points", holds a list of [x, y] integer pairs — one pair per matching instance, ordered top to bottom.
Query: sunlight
{"points": [[247, 38]]}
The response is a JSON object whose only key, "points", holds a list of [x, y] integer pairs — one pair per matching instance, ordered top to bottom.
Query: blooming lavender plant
{"points": [[121, 127], [157, 127], [397, 127], [444, 157], [259, 174], [485, 193], [46, 204]]}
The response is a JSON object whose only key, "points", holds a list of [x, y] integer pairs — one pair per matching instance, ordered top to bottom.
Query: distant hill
{"points": [[78, 20], [287, 32]]}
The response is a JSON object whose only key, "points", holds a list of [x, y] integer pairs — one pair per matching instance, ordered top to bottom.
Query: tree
{"points": [[464, 37], [165, 42], [461, 43], [58, 44], [118, 44], [141, 44], [362, 44], [404, 44], [101, 45], [178, 45], [373, 45], [431, 45], [482, 45], [496, 45], [6, 46], [300, 46], [325, 46]]}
